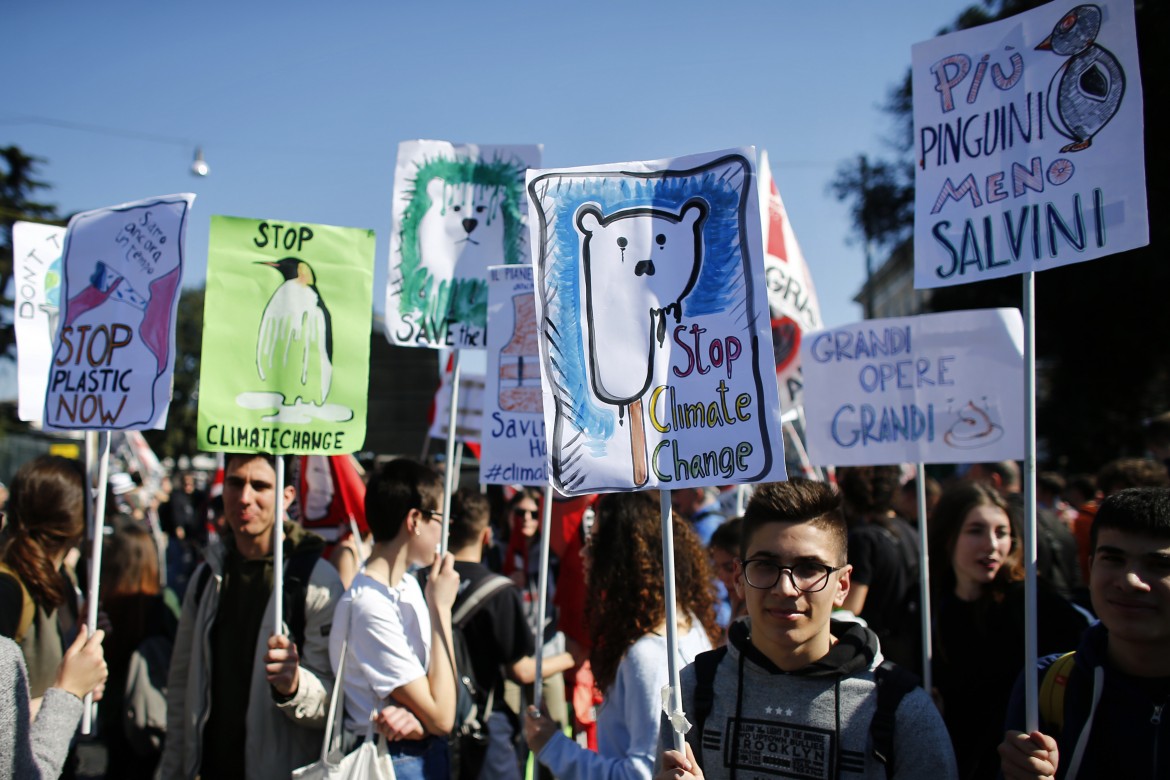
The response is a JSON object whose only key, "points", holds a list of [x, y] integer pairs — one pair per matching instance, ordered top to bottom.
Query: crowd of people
{"points": [[798, 622]]}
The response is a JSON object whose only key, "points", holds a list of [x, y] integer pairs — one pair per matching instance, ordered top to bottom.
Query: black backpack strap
{"points": [[296, 586], [474, 598], [706, 663], [893, 683]]}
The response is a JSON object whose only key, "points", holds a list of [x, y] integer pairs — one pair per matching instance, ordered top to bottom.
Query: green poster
{"points": [[286, 337]]}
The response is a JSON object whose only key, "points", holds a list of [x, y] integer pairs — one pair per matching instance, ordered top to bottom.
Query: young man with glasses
{"points": [[794, 693]]}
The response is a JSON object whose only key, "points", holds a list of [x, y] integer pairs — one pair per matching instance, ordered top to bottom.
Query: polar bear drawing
{"points": [[638, 264]]}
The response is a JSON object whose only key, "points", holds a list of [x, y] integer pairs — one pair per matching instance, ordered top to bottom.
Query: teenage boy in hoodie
{"points": [[795, 694], [1113, 721]]}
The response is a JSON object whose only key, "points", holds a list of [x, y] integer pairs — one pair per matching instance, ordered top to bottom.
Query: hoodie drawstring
{"points": [[738, 716], [837, 734]]}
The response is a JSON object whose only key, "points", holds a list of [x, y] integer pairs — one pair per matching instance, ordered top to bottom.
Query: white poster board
{"points": [[1028, 137], [457, 210], [36, 262], [792, 298], [115, 344], [656, 354], [936, 388], [469, 422], [514, 446]]}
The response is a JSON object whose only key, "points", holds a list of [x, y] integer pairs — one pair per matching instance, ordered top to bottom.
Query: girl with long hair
{"points": [[45, 519], [978, 596], [138, 608], [627, 627]]}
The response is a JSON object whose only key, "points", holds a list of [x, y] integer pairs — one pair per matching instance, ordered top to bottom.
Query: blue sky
{"points": [[299, 107]]}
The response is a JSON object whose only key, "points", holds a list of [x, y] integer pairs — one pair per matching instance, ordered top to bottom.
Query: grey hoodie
{"points": [[812, 723]]}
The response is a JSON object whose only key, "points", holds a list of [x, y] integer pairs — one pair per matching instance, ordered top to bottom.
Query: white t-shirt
{"points": [[389, 643]]}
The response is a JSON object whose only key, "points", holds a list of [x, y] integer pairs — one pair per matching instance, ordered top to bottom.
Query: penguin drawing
{"points": [[1086, 92], [296, 312]]}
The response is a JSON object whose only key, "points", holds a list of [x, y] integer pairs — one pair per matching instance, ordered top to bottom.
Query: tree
{"points": [[18, 187], [1103, 367], [179, 437]]}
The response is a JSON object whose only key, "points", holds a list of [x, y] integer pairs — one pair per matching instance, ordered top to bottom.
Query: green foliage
{"points": [[18, 187], [179, 437]]}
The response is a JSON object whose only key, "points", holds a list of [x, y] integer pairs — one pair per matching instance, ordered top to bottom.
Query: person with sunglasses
{"points": [[794, 693]]}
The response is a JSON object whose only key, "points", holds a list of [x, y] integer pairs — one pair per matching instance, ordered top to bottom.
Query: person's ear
{"points": [[290, 495], [486, 539], [740, 585], [842, 586]]}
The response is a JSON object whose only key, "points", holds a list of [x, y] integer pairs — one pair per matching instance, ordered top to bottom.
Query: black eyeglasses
{"points": [[524, 512], [432, 514], [807, 576]]}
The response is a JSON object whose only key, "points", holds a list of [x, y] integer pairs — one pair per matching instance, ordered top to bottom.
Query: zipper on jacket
{"points": [[1156, 718]]}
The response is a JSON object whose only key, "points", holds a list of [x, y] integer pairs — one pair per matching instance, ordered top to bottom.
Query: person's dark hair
{"points": [[1157, 430], [228, 457], [1008, 472], [1130, 473], [1051, 481], [1085, 485], [396, 488], [869, 490], [796, 501], [1140, 510], [470, 512], [46, 515], [946, 521], [728, 536], [131, 563], [625, 581], [129, 592]]}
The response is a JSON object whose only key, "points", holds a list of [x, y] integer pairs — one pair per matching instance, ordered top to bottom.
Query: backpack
{"points": [[296, 585], [28, 607], [893, 683], [1053, 687], [144, 703], [473, 704]]}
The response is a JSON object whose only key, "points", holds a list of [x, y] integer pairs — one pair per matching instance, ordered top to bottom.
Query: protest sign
{"points": [[1028, 136], [457, 210], [36, 274], [792, 299], [286, 348], [114, 350], [656, 357], [937, 388], [469, 417], [514, 448]]}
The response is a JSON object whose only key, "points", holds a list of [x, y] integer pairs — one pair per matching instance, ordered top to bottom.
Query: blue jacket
{"points": [[1115, 725]]}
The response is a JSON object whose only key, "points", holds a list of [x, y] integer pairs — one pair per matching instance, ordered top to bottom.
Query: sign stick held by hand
{"points": [[97, 536], [278, 552]]}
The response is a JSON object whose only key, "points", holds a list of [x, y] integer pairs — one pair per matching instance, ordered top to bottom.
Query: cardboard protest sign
{"points": [[1028, 136], [457, 210], [36, 273], [792, 299], [286, 337], [114, 351], [656, 355], [936, 388], [469, 416], [514, 448]]}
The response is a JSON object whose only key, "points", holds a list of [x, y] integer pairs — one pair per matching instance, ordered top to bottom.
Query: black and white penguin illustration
{"points": [[1087, 90], [296, 313]]}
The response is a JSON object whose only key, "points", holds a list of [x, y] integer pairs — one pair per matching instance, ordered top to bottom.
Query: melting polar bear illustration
{"points": [[638, 264]]}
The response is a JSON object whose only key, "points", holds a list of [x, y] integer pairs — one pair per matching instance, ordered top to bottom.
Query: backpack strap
{"points": [[297, 573], [474, 598], [28, 607], [705, 663], [893, 683], [1053, 687]]}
